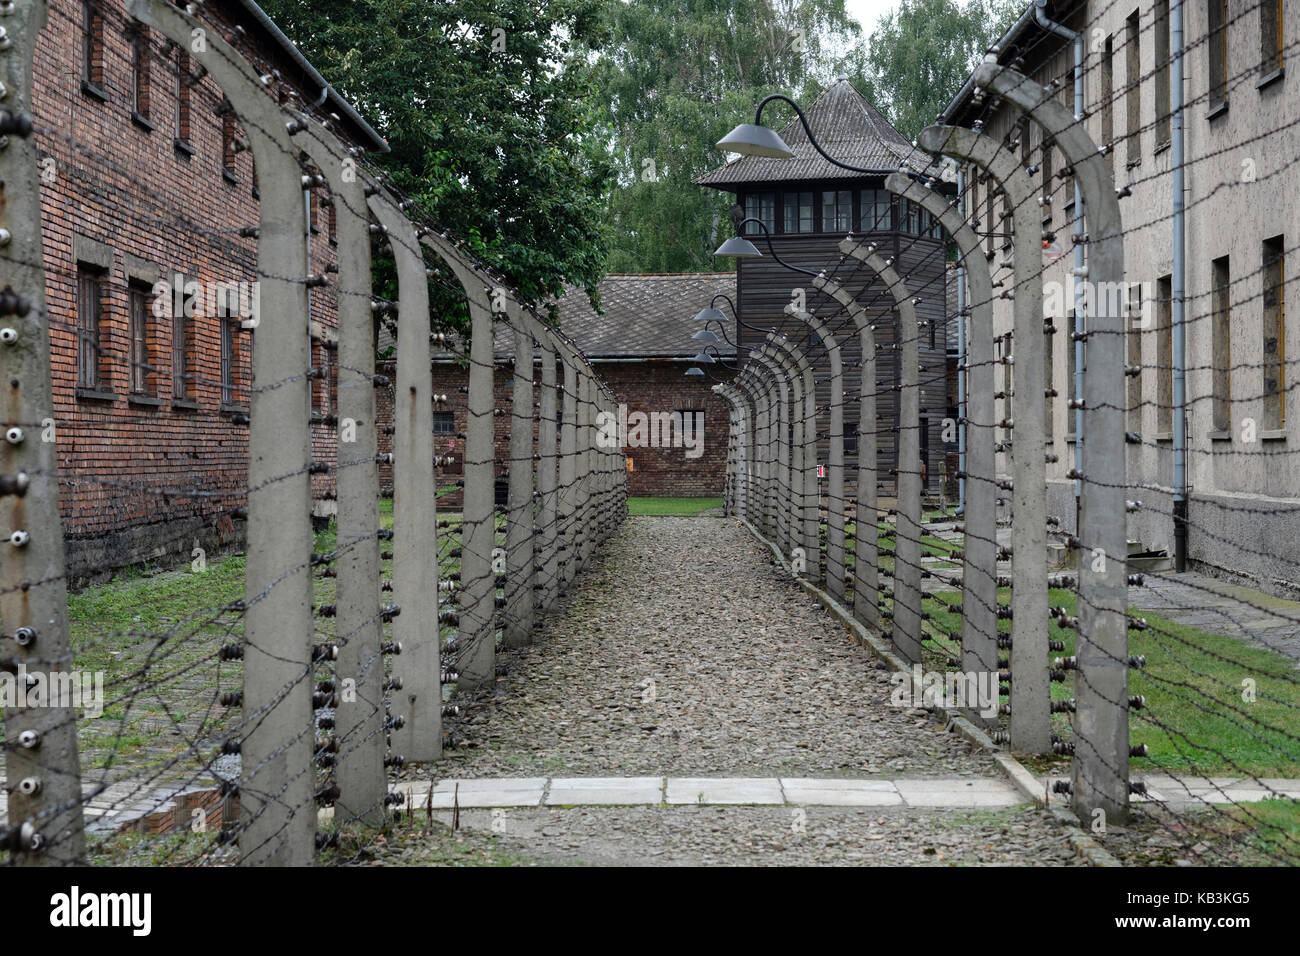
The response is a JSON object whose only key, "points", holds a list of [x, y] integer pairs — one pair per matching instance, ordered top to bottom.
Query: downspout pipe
{"points": [[1080, 270], [1179, 286]]}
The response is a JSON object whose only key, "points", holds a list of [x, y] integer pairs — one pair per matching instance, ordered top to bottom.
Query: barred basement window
{"points": [[90, 303], [229, 362], [183, 386], [444, 423]]}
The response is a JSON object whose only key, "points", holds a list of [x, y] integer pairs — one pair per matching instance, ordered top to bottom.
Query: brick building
{"points": [[146, 185], [641, 346]]}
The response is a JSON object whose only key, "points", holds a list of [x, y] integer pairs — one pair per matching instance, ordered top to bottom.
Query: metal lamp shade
{"points": [[750, 140], [740, 248], [710, 315], [704, 335], [704, 358], [695, 373]]}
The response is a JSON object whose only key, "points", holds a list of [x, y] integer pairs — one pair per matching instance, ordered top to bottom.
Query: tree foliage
{"points": [[921, 53], [676, 76], [488, 106]]}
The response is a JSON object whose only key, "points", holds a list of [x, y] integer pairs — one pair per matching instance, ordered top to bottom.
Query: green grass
{"points": [[672, 506]]}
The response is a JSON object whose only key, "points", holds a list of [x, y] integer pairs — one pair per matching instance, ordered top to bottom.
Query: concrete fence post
{"points": [[779, 382], [547, 476], [567, 498], [835, 502], [808, 525], [907, 537], [520, 538], [866, 542], [979, 610], [1030, 684], [359, 716], [1100, 767], [277, 805], [44, 819]]}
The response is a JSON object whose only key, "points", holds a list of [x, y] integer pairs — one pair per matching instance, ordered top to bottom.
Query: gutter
{"points": [[1013, 33], [327, 92]]}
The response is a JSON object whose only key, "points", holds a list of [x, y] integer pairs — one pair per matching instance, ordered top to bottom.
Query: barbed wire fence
{"points": [[317, 664], [1171, 694]]}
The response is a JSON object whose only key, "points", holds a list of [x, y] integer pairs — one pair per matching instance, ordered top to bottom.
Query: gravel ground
{"points": [[683, 650], [712, 836]]}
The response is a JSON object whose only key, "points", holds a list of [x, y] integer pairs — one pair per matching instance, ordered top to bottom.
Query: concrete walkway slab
{"points": [[725, 790], [604, 791], [490, 792], [810, 792], [933, 792]]}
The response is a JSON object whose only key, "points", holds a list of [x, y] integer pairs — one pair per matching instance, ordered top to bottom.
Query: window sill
{"points": [[1273, 76], [93, 91], [1219, 109], [142, 121], [1162, 146], [183, 147], [1133, 163], [230, 177], [95, 395], [147, 401], [184, 405], [233, 409], [1273, 434], [1164, 436], [1219, 436], [1072, 438]]}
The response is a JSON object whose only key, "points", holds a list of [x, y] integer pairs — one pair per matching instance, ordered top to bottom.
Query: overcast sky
{"points": [[868, 12]]}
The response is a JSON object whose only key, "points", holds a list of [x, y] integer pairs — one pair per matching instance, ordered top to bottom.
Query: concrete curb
{"points": [[1085, 847]]}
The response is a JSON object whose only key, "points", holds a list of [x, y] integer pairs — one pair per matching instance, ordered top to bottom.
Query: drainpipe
{"points": [[1080, 270], [1179, 287], [961, 356]]}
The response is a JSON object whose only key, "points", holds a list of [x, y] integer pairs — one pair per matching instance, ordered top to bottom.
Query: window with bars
{"points": [[139, 35], [92, 48], [1217, 48], [1272, 49], [1133, 84], [1164, 85], [1107, 94], [181, 116], [229, 137], [760, 206], [837, 211], [798, 212], [90, 304], [140, 321], [1274, 333], [1221, 345], [1164, 355], [229, 362], [183, 366], [444, 422]]}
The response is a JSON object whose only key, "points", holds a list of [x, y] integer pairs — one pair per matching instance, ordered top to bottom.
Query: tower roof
{"points": [[847, 126]]}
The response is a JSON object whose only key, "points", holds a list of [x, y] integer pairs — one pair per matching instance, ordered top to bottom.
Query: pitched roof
{"points": [[847, 126], [646, 317]]}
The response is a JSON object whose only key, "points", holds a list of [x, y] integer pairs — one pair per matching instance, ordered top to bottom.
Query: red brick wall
{"points": [[651, 386], [143, 475]]}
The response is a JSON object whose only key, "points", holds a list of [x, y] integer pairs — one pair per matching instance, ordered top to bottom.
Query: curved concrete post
{"points": [[779, 438], [735, 449], [755, 496], [808, 523], [907, 538], [866, 542], [415, 550], [835, 555], [33, 589], [979, 617], [517, 621], [476, 641], [1030, 681], [359, 716], [1100, 767], [278, 810]]}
